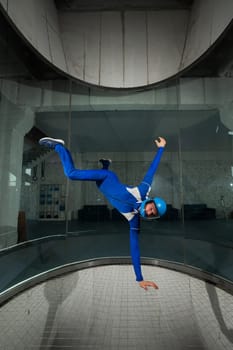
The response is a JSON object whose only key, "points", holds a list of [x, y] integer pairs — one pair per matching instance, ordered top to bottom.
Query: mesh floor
{"points": [[104, 308]]}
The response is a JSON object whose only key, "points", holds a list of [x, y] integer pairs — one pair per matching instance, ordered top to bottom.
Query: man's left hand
{"points": [[160, 142]]}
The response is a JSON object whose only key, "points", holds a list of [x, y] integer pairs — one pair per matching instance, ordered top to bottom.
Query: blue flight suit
{"points": [[127, 200]]}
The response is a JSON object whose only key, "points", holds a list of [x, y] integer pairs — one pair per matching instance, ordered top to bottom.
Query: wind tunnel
{"points": [[66, 277]]}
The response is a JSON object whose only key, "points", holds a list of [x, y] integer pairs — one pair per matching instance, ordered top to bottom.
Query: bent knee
{"points": [[71, 176]]}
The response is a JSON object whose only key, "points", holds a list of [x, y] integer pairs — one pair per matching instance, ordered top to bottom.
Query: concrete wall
{"points": [[208, 20], [38, 23], [133, 49]]}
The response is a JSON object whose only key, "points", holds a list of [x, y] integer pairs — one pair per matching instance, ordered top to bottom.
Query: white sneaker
{"points": [[50, 142]]}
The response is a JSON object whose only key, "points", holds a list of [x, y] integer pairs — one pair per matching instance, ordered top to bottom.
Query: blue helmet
{"points": [[159, 203]]}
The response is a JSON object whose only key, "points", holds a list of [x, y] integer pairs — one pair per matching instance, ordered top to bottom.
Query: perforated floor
{"points": [[104, 308]]}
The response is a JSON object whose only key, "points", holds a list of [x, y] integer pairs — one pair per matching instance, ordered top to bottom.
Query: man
{"points": [[131, 202]]}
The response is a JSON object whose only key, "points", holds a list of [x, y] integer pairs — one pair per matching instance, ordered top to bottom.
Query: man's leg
{"points": [[68, 165], [77, 174]]}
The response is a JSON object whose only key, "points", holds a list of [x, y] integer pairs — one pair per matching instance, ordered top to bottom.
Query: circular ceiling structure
{"points": [[122, 45]]}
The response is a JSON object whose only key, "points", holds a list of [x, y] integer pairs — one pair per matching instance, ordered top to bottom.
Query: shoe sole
{"points": [[50, 139]]}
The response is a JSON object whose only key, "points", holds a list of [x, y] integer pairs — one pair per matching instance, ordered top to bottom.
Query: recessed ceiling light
{"points": [[230, 133]]}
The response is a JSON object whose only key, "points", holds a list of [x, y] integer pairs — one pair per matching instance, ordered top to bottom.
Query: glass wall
{"points": [[15, 120], [206, 160]]}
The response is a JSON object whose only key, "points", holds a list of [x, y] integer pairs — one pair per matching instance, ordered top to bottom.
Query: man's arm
{"points": [[160, 143], [145, 186], [134, 247], [135, 253]]}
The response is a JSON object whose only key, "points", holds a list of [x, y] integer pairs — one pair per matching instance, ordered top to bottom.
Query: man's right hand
{"points": [[160, 142], [145, 284]]}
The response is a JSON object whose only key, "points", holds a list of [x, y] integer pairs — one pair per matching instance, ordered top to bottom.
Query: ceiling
{"points": [[106, 5], [21, 61], [217, 61]]}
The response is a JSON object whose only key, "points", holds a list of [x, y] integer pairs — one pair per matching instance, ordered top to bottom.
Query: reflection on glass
{"points": [[28, 171], [12, 180]]}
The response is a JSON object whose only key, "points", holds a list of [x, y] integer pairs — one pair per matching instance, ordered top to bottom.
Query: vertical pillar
{"points": [[15, 122]]}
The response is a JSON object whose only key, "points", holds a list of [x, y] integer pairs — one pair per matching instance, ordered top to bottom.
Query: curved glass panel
{"points": [[207, 187]]}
